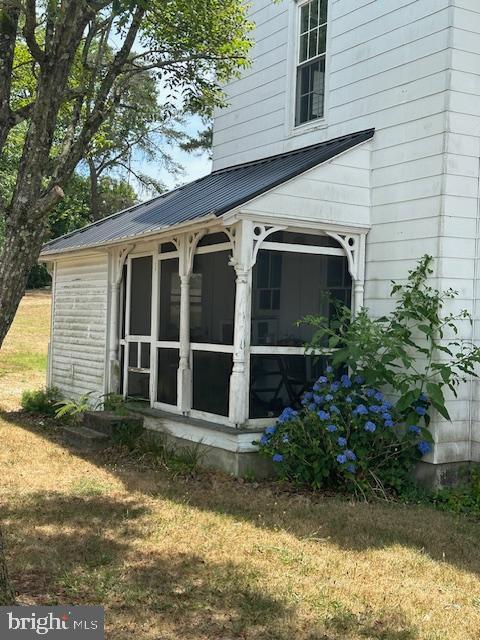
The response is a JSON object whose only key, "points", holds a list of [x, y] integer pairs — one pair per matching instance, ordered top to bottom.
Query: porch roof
{"points": [[212, 195]]}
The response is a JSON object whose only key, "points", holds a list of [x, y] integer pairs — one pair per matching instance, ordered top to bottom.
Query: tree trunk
{"points": [[8, 29], [94, 192], [7, 594]]}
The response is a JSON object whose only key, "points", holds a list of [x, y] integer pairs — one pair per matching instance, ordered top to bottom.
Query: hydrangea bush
{"points": [[347, 434]]}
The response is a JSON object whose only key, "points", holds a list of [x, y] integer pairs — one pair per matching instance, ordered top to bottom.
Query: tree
{"points": [[192, 46], [76, 84], [7, 594]]}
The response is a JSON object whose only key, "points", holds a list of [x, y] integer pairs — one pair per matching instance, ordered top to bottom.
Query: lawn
{"points": [[214, 558]]}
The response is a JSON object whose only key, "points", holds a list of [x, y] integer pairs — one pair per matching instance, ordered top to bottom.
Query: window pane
{"points": [[314, 10], [323, 11], [304, 18], [322, 40], [312, 45], [303, 47], [213, 238], [304, 281], [141, 297], [212, 299], [169, 312], [133, 354], [145, 355], [167, 376], [211, 381], [278, 381], [138, 385]]}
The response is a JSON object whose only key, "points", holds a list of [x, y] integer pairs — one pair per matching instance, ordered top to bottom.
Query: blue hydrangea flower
{"points": [[329, 369], [359, 379], [322, 380], [346, 382], [335, 386], [370, 393], [308, 395], [378, 396], [329, 397], [423, 397], [318, 399], [348, 399], [312, 407], [374, 408], [334, 409], [360, 410], [421, 411], [287, 415], [323, 415], [386, 416], [388, 423], [370, 426], [331, 428], [414, 429], [270, 430], [285, 438], [264, 439], [342, 442], [424, 447], [350, 455], [277, 457], [341, 458], [351, 468]]}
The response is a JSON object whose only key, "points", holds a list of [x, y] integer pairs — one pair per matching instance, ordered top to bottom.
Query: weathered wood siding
{"points": [[79, 341]]}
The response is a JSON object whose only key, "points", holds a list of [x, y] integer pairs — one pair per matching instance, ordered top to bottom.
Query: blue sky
{"points": [[195, 165]]}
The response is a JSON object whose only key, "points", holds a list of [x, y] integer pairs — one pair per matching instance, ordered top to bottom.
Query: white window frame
{"points": [[293, 129]]}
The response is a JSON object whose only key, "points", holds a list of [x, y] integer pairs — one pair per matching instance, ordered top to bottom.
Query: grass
{"points": [[213, 558]]}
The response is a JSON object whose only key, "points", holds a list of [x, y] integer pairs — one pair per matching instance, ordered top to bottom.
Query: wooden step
{"points": [[107, 422], [85, 438]]}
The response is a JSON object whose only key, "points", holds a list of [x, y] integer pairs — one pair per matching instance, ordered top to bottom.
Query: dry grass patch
{"points": [[23, 356], [211, 558], [216, 559]]}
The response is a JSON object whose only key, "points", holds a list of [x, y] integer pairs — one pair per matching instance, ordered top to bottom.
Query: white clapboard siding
{"points": [[336, 191], [79, 326]]}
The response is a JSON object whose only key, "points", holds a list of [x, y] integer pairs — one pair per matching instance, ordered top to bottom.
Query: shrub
{"points": [[38, 277], [42, 401], [73, 408], [347, 436], [365, 441]]}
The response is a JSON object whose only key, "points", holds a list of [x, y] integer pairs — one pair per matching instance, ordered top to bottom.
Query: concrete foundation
{"points": [[439, 476]]}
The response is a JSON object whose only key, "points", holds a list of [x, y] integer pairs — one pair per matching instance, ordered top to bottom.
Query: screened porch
{"points": [[209, 319]]}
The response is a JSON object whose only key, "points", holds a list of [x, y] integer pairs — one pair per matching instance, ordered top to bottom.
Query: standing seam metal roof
{"points": [[216, 193]]}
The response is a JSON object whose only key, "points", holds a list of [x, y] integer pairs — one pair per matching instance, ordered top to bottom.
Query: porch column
{"points": [[117, 262], [242, 262], [359, 279], [184, 375]]}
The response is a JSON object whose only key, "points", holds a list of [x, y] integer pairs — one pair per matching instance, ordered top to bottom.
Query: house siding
{"points": [[409, 69], [79, 326]]}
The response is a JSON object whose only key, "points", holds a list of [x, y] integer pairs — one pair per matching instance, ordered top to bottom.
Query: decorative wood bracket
{"points": [[188, 243], [350, 244], [122, 256]]}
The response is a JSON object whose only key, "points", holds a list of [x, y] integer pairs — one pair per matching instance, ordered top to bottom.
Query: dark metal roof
{"points": [[215, 194]]}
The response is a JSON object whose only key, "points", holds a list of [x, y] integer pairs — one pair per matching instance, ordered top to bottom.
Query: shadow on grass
{"points": [[350, 525], [86, 550]]}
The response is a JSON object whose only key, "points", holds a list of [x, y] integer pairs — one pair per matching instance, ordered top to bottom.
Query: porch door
{"points": [[137, 341]]}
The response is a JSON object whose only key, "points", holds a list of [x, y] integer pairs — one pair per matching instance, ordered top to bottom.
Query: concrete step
{"points": [[107, 422], [85, 438]]}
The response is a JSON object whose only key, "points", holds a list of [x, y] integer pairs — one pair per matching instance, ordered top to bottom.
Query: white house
{"points": [[349, 149]]}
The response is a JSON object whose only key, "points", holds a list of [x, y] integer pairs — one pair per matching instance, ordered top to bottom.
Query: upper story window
{"points": [[311, 61]]}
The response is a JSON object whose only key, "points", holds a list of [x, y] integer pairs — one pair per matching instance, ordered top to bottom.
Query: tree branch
{"points": [[29, 31]]}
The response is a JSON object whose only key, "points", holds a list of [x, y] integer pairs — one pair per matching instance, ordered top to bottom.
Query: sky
{"points": [[195, 164]]}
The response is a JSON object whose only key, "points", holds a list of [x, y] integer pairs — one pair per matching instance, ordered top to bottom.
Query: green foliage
{"points": [[38, 277], [413, 350], [41, 401], [115, 403], [72, 408], [126, 433], [347, 436], [154, 449], [464, 498]]}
